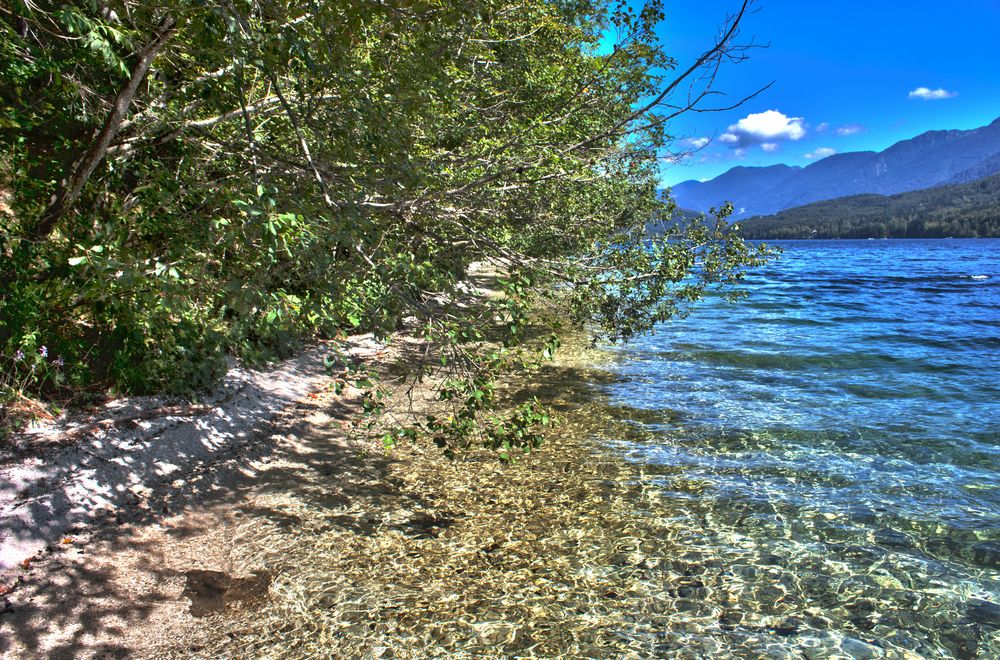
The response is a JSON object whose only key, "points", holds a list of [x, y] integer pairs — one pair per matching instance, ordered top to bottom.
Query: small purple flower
{"points": [[43, 351], [19, 355], [59, 361]]}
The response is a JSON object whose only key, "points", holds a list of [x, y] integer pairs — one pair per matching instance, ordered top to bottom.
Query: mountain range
{"points": [[931, 159]]}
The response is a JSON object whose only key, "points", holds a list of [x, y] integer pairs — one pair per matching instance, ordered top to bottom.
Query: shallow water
{"points": [[832, 442]]}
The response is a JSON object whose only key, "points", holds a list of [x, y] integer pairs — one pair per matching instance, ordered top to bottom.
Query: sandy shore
{"points": [[99, 532]]}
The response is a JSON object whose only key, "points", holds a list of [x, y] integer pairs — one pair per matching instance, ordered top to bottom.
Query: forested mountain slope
{"points": [[969, 210]]}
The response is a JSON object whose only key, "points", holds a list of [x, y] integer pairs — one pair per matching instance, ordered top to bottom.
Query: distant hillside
{"points": [[930, 159], [979, 170], [739, 183], [967, 210]]}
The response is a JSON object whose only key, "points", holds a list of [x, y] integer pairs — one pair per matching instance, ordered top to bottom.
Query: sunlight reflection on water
{"points": [[833, 442]]}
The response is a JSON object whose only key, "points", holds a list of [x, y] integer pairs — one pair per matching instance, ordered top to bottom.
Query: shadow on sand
{"points": [[148, 554]]}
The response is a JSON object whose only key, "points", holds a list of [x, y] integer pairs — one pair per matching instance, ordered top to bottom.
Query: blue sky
{"points": [[850, 75]]}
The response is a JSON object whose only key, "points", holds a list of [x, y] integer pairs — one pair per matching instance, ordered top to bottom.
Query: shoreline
{"points": [[296, 501], [175, 536], [405, 553], [408, 554]]}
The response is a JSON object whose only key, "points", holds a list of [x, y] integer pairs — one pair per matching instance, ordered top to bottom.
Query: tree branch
{"points": [[71, 187]]}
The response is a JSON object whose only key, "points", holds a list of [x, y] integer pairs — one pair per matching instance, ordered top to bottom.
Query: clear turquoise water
{"points": [[833, 444]]}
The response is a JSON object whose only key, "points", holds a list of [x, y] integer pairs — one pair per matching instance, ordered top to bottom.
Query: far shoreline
{"points": [[886, 238]]}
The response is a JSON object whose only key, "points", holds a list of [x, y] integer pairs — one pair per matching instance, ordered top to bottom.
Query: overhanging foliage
{"points": [[183, 180]]}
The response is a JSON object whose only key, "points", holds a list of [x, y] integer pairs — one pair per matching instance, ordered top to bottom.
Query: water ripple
{"points": [[834, 441]]}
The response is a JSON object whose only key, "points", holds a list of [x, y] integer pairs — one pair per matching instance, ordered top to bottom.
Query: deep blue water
{"points": [[835, 440]]}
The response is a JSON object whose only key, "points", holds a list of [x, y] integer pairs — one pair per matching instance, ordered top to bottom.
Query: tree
{"points": [[189, 179]]}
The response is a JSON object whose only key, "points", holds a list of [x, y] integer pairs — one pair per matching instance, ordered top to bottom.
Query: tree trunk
{"points": [[71, 187]]}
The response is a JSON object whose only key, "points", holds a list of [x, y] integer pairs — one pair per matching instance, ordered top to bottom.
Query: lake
{"points": [[832, 445]]}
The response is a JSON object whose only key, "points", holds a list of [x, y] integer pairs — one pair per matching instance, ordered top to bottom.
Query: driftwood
{"points": [[163, 411]]}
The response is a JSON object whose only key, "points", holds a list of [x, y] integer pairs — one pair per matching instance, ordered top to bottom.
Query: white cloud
{"points": [[928, 94], [823, 127], [762, 128], [850, 129], [697, 143], [769, 146], [820, 152]]}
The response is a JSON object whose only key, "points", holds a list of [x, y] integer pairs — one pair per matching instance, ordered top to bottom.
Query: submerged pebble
{"points": [[893, 539], [987, 553], [983, 611], [859, 650]]}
